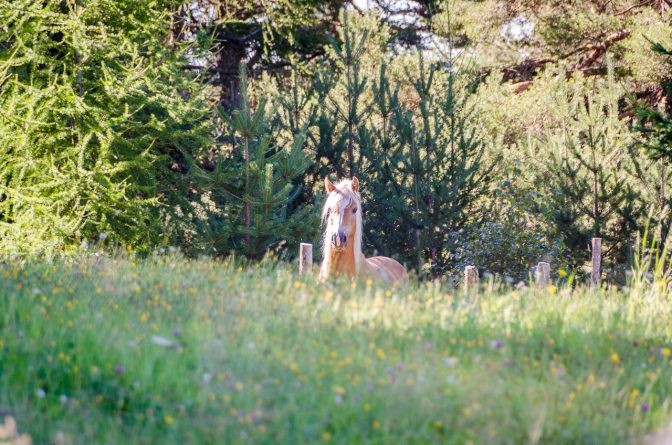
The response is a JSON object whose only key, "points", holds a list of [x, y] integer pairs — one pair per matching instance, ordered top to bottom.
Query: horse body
{"points": [[342, 243], [387, 268]]}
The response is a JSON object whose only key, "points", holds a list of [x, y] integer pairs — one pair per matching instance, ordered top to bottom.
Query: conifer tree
{"points": [[343, 103], [98, 124], [655, 125], [419, 160], [435, 168], [251, 184], [591, 194]]}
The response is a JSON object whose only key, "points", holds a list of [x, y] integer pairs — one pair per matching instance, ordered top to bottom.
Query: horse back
{"points": [[387, 268]]}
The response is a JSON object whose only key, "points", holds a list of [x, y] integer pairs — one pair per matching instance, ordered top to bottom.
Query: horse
{"points": [[342, 241]]}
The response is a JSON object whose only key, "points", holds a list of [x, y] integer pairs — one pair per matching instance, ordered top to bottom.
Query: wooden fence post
{"points": [[305, 258], [596, 269], [542, 275], [470, 278]]}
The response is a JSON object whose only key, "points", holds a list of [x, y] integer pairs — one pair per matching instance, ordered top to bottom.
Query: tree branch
{"points": [[638, 5], [526, 70]]}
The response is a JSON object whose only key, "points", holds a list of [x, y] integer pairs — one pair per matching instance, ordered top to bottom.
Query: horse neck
{"points": [[339, 262], [336, 263]]}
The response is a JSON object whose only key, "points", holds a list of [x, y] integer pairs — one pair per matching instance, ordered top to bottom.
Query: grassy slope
{"points": [[265, 358]]}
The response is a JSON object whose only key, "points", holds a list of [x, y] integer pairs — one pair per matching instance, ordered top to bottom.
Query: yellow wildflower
{"points": [[562, 273], [168, 420]]}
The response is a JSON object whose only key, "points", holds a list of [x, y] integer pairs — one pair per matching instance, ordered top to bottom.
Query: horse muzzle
{"points": [[339, 241]]}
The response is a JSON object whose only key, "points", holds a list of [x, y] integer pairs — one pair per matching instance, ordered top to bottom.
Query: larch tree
{"points": [[98, 125]]}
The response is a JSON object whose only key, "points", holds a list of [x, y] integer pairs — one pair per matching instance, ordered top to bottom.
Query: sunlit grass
{"points": [[167, 350]]}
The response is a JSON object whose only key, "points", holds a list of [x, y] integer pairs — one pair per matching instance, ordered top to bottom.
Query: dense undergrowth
{"points": [[167, 350]]}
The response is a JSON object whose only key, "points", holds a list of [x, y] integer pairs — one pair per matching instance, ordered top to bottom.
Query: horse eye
{"points": [[354, 210]]}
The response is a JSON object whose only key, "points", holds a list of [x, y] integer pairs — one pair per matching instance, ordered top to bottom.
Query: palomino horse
{"points": [[342, 242]]}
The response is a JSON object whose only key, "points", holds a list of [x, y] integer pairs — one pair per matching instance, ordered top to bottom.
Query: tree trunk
{"points": [[230, 55], [248, 214], [418, 241]]}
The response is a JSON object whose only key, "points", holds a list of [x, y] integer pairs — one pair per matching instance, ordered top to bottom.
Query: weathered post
{"points": [[305, 258], [596, 269], [542, 274], [470, 278]]}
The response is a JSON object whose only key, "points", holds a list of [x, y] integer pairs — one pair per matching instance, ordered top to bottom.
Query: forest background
{"points": [[496, 133]]}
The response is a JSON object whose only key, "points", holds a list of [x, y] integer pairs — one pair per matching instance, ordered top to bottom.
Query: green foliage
{"points": [[648, 68], [344, 97], [656, 124], [97, 125], [107, 127], [563, 136], [411, 139], [654, 170], [435, 172], [251, 185], [589, 192], [511, 240]]}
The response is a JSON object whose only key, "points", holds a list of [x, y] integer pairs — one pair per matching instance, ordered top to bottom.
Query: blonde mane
{"points": [[343, 197]]}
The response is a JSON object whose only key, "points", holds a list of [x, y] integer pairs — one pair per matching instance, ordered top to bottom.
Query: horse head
{"points": [[342, 218]]}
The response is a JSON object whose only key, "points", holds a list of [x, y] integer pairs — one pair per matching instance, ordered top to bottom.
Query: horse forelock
{"points": [[341, 197]]}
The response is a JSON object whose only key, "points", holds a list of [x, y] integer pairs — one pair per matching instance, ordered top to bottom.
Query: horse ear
{"points": [[355, 184], [328, 185]]}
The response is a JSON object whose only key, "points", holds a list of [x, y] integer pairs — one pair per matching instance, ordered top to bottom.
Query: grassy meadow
{"points": [[166, 350]]}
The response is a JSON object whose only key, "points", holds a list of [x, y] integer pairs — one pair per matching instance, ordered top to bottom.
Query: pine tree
{"points": [[343, 103], [655, 125], [420, 162], [435, 169], [251, 185], [591, 193]]}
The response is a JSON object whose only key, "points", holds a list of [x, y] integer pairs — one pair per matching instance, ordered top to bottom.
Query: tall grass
{"points": [[167, 350]]}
